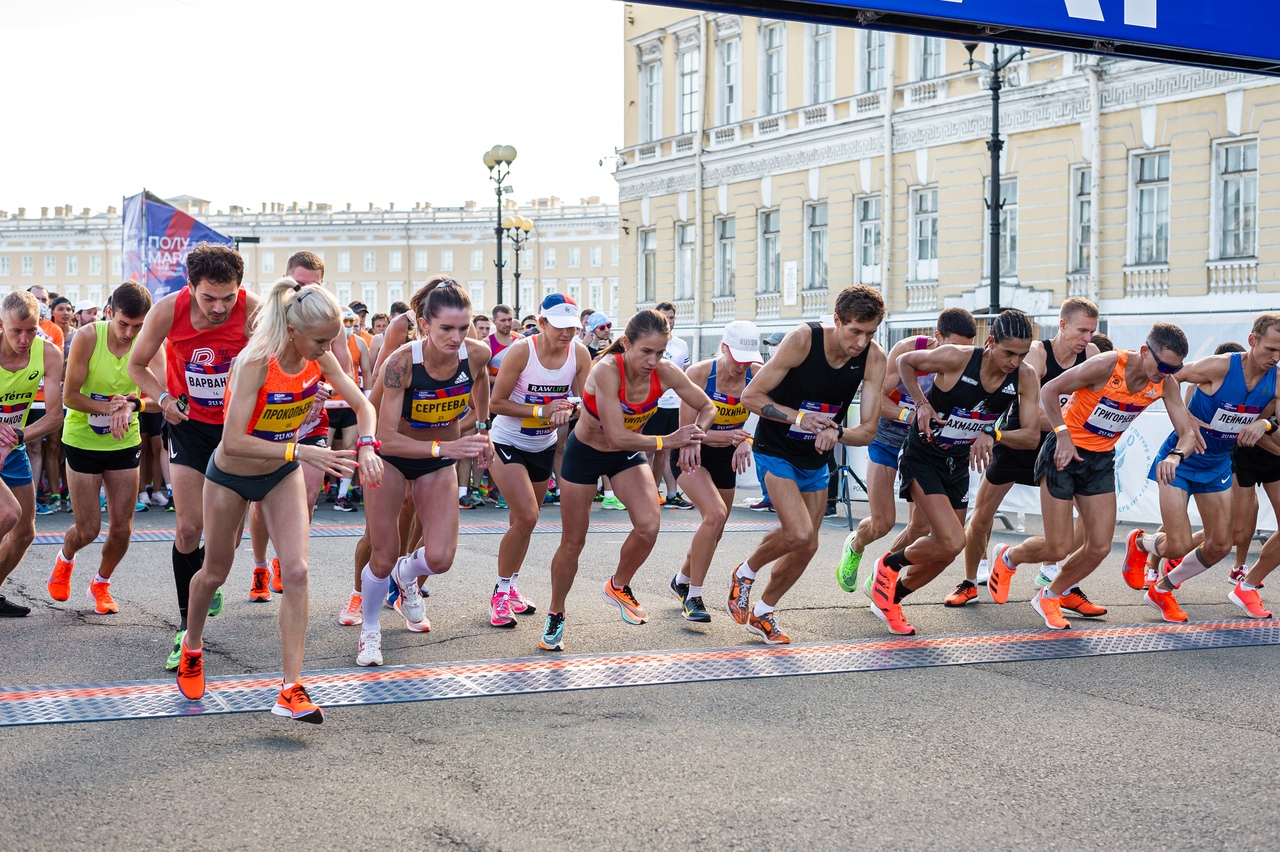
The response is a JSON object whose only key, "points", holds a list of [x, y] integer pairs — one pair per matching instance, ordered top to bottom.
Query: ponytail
{"points": [[439, 293], [287, 304], [642, 323]]}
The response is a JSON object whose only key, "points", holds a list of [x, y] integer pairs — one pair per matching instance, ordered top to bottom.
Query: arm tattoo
{"points": [[394, 373], [771, 411]]}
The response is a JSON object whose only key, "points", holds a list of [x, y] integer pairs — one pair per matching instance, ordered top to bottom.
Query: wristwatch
{"points": [[482, 425], [991, 430], [368, 441], [1177, 452]]}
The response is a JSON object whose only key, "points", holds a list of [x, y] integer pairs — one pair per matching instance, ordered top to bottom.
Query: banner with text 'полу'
{"points": [[157, 239]]}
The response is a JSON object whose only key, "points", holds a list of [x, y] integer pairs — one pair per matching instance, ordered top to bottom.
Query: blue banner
{"points": [[157, 239]]}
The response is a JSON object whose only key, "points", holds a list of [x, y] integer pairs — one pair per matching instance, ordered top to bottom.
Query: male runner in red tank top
{"points": [[203, 326]]}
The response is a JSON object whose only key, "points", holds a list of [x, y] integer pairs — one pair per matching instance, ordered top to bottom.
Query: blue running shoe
{"points": [[553, 634]]}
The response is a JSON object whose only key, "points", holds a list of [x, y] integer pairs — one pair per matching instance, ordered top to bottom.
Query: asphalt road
{"points": [[1147, 751]]}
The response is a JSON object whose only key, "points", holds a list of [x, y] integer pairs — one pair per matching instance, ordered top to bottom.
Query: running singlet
{"points": [[353, 349], [497, 351], [198, 361], [1052, 369], [107, 376], [536, 385], [815, 386], [18, 389], [901, 397], [283, 402], [431, 403], [1231, 408], [966, 409], [730, 412], [633, 416], [1098, 418]]}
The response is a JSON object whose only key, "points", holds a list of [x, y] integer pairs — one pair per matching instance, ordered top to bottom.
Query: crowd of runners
{"points": [[259, 401]]}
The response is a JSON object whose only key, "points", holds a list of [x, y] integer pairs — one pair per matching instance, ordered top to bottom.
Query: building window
{"points": [[930, 58], [873, 61], [775, 69], [820, 77], [730, 81], [689, 91], [651, 101], [1238, 189], [1152, 208], [1082, 213], [1008, 227], [924, 230], [726, 232], [869, 242], [816, 247], [770, 252], [613, 255], [597, 256], [549, 257], [575, 257], [477, 259], [395, 260], [420, 260], [446, 260], [344, 261], [370, 261], [684, 261], [268, 262], [50, 264], [73, 264], [95, 264], [27, 265], [4, 266], [648, 266], [116, 267], [549, 286], [475, 289], [574, 290], [72, 292], [343, 292], [395, 293], [526, 294], [597, 294], [369, 295]]}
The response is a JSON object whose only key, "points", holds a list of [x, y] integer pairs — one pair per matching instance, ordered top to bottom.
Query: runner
{"points": [[956, 326], [203, 327], [599, 333], [501, 338], [1050, 358], [26, 360], [427, 386], [1234, 393], [268, 395], [802, 395], [531, 400], [667, 418], [342, 419], [954, 430], [103, 442], [607, 442], [40, 455], [1077, 462], [1254, 466], [708, 472]]}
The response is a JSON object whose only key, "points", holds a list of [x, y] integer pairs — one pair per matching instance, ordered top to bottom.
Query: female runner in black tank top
{"points": [[953, 432]]}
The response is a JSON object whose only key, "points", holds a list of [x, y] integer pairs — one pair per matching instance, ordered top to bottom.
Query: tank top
{"points": [[49, 331], [353, 350], [497, 351], [199, 361], [1052, 369], [107, 376], [536, 385], [812, 386], [18, 389], [902, 397], [283, 402], [433, 403], [1232, 407], [966, 409], [730, 412], [634, 415], [1098, 418], [316, 423]]}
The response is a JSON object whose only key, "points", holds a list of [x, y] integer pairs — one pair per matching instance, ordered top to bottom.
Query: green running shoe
{"points": [[613, 503], [847, 570], [867, 583], [216, 606], [172, 662]]}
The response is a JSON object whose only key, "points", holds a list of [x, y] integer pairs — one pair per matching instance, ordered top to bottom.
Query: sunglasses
{"points": [[348, 322], [606, 327], [1166, 369]]}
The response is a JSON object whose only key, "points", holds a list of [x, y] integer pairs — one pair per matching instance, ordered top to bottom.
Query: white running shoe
{"points": [[158, 498], [984, 572], [411, 605], [353, 612], [370, 653]]}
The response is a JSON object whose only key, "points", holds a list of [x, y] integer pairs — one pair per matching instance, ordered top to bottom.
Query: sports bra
{"points": [[283, 401], [431, 403], [730, 412], [633, 416]]}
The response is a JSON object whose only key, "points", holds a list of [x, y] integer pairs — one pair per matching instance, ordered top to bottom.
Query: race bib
{"points": [[206, 383], [541, 395], [434, 409], [282, 413], [730, 413], [13, 415], [1110, 418], [1229, 420], [101, 423], [963, 427], [797, 434]]}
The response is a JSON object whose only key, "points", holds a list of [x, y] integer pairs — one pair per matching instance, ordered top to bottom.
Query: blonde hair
{"points": [[21, 304], [289, 304]]}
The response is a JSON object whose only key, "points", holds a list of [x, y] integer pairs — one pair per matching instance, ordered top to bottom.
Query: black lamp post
{"points": [[994, 144], [495, 158], [517, 228]]}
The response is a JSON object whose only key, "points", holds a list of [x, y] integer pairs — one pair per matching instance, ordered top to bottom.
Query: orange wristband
{"points": [[658, 438], [435, 449]]}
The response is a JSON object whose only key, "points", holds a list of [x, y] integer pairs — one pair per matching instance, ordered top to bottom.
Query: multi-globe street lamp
{"points": [[495, 158], [517, 228]]}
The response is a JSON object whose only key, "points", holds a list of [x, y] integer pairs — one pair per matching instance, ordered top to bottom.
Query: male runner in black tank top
{"points": [[1077, 322], [802, 395], [954, 430]]}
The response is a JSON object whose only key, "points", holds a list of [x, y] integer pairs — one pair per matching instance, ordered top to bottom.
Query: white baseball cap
{"points": [[85, 305], [559, 310], [743, 339]]}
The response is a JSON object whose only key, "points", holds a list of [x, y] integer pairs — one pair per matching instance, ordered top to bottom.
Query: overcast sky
{"points": [[245, 101]]}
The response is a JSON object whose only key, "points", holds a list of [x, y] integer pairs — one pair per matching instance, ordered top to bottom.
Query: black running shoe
{"points": [[695, 611]]}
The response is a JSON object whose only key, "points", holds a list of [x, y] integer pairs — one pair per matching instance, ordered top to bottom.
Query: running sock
{"points": [[343, 487], [462, 492], [608, 495], [1150, 543], [64, 558], [897, 561], [262, 564], [418, 564], [1192, 565], [185, 566], [744, 571], [514, 577], [98, 578], [683, 578], [504, 585], [1075, 587], [1247, 587], [695, 591], [900, 591], [374, 592], [1048, 594], [761, 609]]}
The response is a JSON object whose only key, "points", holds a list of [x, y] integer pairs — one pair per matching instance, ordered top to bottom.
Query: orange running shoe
{"points": [[1135, 561], [1002, 571], [60, 579], [277, 585], [260, 591], [964, 593], [625, 600], [1250, 601], [1078, 602], [103, 603], [882, 603], [738, 604], [1167, 604], [1050, 610], [353, 612], [766, 627], [191, 673], [297, 705]]}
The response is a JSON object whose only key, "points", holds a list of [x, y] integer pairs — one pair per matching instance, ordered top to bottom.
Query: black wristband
{"points": [[22, 436], [1177, 452]]}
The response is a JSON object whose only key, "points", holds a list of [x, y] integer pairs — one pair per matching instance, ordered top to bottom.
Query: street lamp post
{"points": [[994, 144], [495, 158], [517, 228]]}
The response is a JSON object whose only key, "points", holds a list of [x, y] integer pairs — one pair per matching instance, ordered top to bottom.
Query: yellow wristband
{"points": [[142, 404], [537, 412], [904, 414], [799, 416], [1271, 427], [1061, 428], [997, 436], [658, 438], [750, 441], [435, 449], [290, 450]]}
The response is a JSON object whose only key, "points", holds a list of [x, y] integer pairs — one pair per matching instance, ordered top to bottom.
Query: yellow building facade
{"points": [[769, 164]]}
